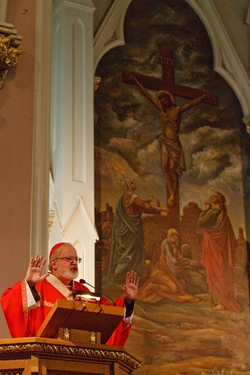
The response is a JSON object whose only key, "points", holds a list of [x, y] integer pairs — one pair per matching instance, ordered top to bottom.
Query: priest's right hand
{"points": [[33, 275]]}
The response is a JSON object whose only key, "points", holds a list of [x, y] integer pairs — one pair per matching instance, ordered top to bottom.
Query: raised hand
{"points": [[165, 209], [33, 275], [131, 286]]}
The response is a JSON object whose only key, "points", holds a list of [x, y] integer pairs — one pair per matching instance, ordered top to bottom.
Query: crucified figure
{"points": [[172, 157]]}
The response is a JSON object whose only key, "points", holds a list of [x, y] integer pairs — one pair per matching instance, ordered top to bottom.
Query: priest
{"points": [[29, 301]]}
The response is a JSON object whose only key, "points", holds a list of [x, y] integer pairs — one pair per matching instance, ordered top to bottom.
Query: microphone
{"points": [[82, 281]]}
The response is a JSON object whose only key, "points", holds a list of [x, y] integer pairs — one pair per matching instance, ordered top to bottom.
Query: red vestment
{"points": [[24, 322]]}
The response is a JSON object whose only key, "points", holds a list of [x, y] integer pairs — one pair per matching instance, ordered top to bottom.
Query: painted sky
{"points": [[127, 125]]}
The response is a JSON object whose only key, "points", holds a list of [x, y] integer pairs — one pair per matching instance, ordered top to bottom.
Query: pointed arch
{"points": [[226, 61]]}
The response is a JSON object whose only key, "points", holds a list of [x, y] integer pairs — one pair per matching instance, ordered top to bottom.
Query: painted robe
{"points": [[127, 250], [217, 255], [163, 282]]}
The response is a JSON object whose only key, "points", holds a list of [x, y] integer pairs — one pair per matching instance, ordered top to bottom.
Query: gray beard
{"points": [[68, 274]]}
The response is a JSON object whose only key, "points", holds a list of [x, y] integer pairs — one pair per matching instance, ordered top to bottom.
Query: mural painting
{"points": [[170, 159]]}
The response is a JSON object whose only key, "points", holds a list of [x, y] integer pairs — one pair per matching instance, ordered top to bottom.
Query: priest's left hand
{"points": [[131, 286]]}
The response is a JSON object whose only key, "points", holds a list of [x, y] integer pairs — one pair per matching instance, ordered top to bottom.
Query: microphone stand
{"points": [[82, 281]]}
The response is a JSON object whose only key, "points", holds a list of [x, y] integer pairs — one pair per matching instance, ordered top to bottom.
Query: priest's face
{"points": [[65, 265]]}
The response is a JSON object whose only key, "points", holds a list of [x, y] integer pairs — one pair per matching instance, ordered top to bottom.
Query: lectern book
{"points": [[80, 315]]}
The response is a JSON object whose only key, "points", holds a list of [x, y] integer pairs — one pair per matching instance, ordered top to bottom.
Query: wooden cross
{"points": [[168, 83]]}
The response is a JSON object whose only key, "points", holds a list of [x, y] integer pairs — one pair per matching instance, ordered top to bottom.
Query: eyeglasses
{"points": [[71, 259]]}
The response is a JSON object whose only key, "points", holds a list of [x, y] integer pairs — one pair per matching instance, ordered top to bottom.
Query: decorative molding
{"points": [[86, 5], [110, 33], [9, 51], [226, 60], [78, 120], [72, 136], [79, 205], [51, 219], [77, 228], [13, 350]]}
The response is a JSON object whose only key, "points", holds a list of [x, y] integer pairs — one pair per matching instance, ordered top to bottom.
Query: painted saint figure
{"points": [[172, 157], [127, 247], [217, 252], [166, 277]]}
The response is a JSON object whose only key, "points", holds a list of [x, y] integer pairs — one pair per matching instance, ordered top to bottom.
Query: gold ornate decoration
{"points": [[9, 51], [66, 334], [92, 337], [10, 351]]}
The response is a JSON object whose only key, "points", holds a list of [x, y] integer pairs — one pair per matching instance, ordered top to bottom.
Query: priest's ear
{"points": [[52, 264]]}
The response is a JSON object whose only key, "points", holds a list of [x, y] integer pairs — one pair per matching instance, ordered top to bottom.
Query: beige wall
{"points": [[16, 119]]}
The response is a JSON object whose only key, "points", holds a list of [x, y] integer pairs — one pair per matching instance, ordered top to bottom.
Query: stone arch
{"points": [[226, 62]]}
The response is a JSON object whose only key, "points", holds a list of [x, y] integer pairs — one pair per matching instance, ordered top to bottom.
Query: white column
{"points": [[72, 128], [41, 130]]}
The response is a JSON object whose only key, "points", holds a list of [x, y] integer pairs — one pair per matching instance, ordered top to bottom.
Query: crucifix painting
{"points": [[170, 125], [172, 156]]}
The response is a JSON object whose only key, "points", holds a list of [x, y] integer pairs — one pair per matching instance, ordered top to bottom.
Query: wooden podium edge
{"points": [[64, 310], [37, 346]]}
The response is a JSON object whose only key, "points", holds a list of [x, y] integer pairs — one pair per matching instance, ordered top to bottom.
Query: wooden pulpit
{"points": [[81, 321], [70, 341]]}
